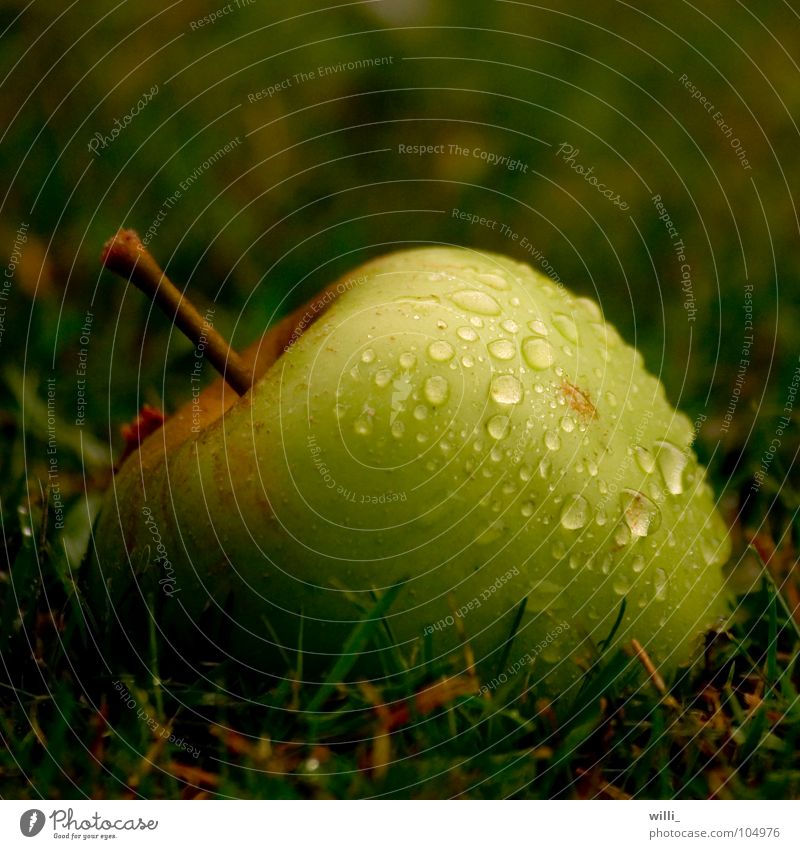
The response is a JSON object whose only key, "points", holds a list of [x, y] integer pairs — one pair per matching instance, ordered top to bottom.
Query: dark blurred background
{"points": [[697, 105]]}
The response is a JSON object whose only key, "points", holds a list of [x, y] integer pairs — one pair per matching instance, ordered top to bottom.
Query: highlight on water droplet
{"points": [[496, 281], [475, 301], [591, 307], [565, 326], [538, 327], [467, 334], [502, 349], [440, 351], [537, 352], [407, 360], [383, 377], [506, 389], [436, 390], [363, 425], [498, 427], [551, 440], [645, 459], [671, 463], [575, 512], [641, 515], [491, 534], [622, 535], [708, 550], [660, 582], [620, 585]]}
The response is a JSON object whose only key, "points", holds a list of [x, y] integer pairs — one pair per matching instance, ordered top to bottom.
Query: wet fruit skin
{"points": [[454, 420]]}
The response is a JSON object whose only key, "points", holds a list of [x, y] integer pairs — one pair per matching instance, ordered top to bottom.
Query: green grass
{"points": [[79, 719]]}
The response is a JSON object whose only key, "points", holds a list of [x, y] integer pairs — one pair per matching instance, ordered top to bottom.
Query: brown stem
{"points": [[125, 255]]}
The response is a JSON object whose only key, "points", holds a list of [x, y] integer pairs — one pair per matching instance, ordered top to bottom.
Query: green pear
{"points": [[442, 419]]}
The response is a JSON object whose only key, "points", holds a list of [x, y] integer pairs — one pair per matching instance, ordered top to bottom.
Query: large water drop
{"points": [[475, 301], [440, 351], [537, 352], [506, 389], [436, 390], [672, 463], [575, 512], [641, 515]]}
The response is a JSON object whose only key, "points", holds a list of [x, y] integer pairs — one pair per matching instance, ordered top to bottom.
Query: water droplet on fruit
{"points": [[496, 281], [475, 301], [591, 307], [509, 325], [565, 326], [538, 327], [467, 334], [502, 349], [440, 351], [537, 352], [368, 356], [407, 360], [467, 361], [383, 377], [506, 389], [436, 390], [612, 399], [420, 412], [567, 424], [363, 425], [497, 427], [398, 429], [551, 440], [646, 461], [672, 463], [544, 469], [525, 473], [527, 509], [575, 512], [641, 515], [491, 534], [622, 535], [637, 564], [620, 585], [660, 585]]}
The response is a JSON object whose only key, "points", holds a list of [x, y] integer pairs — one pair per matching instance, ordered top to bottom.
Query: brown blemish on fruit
{"points": [[579, 400]]}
